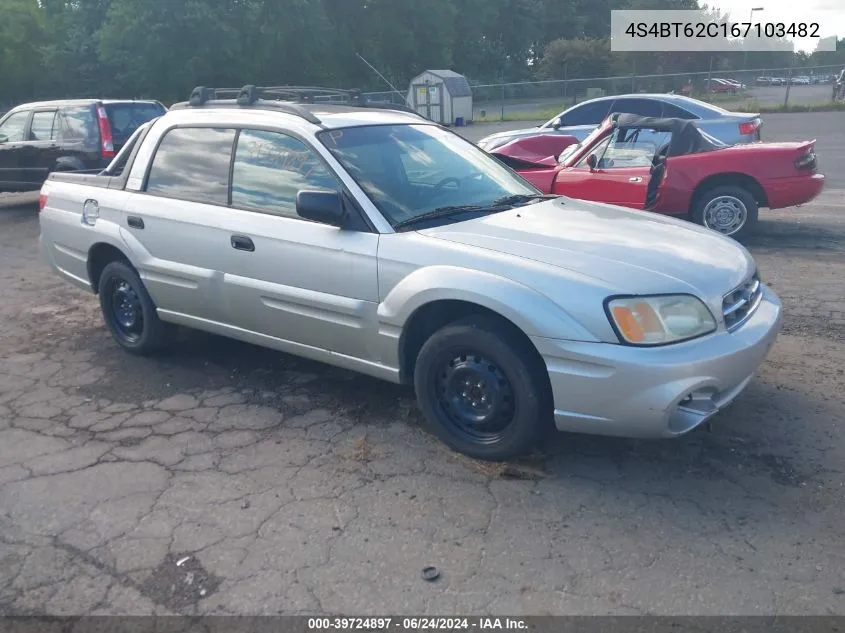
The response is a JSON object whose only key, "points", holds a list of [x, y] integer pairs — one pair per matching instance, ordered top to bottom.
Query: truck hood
{"points": [[627, 252]]}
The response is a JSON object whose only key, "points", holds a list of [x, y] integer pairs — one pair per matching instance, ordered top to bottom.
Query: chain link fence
{"points": [[750, 90]]}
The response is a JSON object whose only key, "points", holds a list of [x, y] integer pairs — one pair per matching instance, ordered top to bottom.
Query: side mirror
{"points": [[557, 124], [3, 139], [592, 161], [321, 206]]}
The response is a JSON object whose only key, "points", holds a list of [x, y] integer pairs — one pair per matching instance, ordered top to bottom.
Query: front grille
{"points": [[739, 304]]}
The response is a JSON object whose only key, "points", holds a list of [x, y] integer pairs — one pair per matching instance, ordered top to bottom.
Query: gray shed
{"points": [[443, 96]]}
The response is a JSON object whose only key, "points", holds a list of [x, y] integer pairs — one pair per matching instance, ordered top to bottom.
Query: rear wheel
{"points": [[730, 210], [128, 310], [482, 390]]}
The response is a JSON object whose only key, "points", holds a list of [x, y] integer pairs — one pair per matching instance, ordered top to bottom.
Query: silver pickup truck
{"points": [[374, 240]]}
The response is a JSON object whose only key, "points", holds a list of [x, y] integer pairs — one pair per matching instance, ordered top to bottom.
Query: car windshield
{"points": [[570, 151], [413, 170]]}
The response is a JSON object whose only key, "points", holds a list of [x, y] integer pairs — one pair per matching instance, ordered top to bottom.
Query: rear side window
{"points": [[640, 107], [674, 112], [125, 118], [77, 124], [13, 127], [42, 127], [193, 164], [271, 168]]}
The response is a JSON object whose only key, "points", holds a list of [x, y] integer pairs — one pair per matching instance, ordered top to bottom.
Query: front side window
{"points": [[587, 114], [42, 127], [12, 128], [630, 148], [193, 164], [271, 168], [411, 170]]}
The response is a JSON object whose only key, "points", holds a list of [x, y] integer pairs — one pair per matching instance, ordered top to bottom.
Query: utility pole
{"points": [[745, 39], [789, 78]]}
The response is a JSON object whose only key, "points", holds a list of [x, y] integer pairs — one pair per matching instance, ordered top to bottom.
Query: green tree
{"points": [[21, 62]]}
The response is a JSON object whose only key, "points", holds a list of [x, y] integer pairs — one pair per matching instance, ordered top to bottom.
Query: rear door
{"points": [[78, 138], [12, 149], [42, 150], [178, 224]]}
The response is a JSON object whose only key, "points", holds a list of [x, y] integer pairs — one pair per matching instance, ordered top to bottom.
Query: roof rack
{"points": [[287, 98]]}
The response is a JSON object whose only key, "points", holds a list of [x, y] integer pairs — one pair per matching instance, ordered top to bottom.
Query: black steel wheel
{"points": [[128, 310], [482, 388], [475, 396]]}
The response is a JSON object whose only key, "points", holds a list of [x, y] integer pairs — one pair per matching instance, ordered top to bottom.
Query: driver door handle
{"points": [[635, 179], [242, 243]]}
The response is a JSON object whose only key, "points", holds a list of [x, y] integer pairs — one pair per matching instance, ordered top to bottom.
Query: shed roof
{"points": [[455, 83]]}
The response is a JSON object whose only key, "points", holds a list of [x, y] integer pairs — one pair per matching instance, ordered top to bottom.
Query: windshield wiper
{"points": [[521, 198], [499, 204], [442, 212]]}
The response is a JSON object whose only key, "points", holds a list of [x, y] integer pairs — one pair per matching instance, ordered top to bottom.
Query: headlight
{"points": [[658, 320]]}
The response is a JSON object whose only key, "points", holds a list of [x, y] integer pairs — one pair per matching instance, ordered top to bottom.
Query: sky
{"points": [[830, 14]]}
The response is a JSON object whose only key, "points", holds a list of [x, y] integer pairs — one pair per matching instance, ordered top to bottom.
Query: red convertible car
{"points": [[670, 166]]}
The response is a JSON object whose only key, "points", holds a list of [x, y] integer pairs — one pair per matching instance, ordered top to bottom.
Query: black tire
{"points": [[734, 197], [128, 310], [486, 352]]}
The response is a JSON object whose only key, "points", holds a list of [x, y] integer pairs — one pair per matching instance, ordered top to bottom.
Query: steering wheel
{"points": [[445, 182]]}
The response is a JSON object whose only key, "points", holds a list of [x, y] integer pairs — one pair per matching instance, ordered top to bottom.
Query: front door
{"points": [[12, 150], [621, 173], [296, 280]]}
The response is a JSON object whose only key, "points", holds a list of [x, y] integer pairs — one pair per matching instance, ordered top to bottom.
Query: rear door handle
{"points": [[635, 179], [135, 222], [242, 243]]}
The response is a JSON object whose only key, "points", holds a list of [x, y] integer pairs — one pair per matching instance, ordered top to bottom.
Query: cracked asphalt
{"points": [[221, 478]]}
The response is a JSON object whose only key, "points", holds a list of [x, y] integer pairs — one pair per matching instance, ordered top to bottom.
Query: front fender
{"points": [[532, 312]]}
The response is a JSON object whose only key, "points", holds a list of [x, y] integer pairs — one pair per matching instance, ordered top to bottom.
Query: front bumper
{"points": [[607, 389]]}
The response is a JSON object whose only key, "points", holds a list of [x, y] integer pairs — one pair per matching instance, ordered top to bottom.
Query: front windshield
{"points": [[568, 151], [411, 170]]}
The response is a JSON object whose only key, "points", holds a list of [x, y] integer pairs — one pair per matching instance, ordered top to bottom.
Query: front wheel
{"points": [[730, 210], [128, 310], [482, 390]]}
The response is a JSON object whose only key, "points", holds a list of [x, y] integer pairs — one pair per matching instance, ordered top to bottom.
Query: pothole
{"points": [[180, 582]]}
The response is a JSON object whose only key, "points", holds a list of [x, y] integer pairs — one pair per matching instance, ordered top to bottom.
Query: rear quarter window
{"points": [[77, 124], [193, 164]]}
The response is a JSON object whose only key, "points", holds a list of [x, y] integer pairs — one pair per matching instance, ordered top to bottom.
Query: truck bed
{"points": [[89, 177]]}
